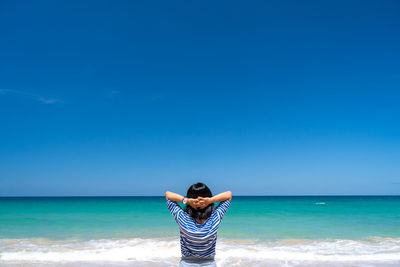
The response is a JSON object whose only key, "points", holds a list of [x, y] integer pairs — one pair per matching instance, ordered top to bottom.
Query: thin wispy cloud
{"points": [[36, 97]]}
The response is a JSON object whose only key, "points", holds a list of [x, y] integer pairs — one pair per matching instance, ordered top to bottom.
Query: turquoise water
{"points": [[264, 218], [256, 231]]}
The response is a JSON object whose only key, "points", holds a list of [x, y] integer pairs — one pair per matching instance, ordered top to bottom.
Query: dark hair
{"points": [[199, 190]]}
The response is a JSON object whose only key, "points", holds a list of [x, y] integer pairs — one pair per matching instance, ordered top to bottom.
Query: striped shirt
{"points": [[198, 239]]}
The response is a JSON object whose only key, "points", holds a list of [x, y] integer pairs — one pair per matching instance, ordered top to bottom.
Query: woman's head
{"points": [[198, 190], [195, 191]]}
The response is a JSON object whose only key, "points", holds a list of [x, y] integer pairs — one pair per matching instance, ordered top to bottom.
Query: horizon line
{"points": [[111, 196]]}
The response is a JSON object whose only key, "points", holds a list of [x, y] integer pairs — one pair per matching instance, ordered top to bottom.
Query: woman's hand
{"points": [[193, 202], [204, 202], [199, 203]]}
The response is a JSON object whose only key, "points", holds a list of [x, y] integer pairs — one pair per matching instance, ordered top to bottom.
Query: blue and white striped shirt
{"points": [[198, 239]]}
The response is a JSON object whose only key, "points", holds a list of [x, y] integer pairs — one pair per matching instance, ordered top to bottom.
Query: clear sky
{"points": [[259, 97]]}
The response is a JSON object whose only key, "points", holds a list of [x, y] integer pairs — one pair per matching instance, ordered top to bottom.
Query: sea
{"points": [[256, 231]]}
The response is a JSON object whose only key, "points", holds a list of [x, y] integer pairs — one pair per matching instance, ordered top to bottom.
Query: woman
{"points": [[198, 223]]}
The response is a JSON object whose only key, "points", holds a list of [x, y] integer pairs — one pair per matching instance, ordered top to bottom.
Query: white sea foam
{"points": [[319, 203], [288, 252]]}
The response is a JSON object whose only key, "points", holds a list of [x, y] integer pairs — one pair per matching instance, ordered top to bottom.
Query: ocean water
{"points": [[256, 231]]}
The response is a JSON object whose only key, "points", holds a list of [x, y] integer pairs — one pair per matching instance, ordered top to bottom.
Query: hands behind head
{"points": [[199, 202]]}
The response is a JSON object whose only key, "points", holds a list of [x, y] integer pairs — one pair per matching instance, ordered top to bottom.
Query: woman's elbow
{"points": [[167, 195], [229, 195]]}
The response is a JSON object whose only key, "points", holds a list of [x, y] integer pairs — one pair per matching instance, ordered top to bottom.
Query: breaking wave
{"points": [[166, 252]]}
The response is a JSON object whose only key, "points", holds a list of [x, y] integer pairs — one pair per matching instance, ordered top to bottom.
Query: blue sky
{"points": [[259, 97]]}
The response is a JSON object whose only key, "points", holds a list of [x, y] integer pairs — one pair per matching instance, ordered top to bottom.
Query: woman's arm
{"points": [[173, 196], [176, 197], [222, 197], [205, 201]]}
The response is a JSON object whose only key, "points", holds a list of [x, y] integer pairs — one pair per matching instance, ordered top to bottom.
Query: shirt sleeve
{"points": [[175, 209], [221, 209]]}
